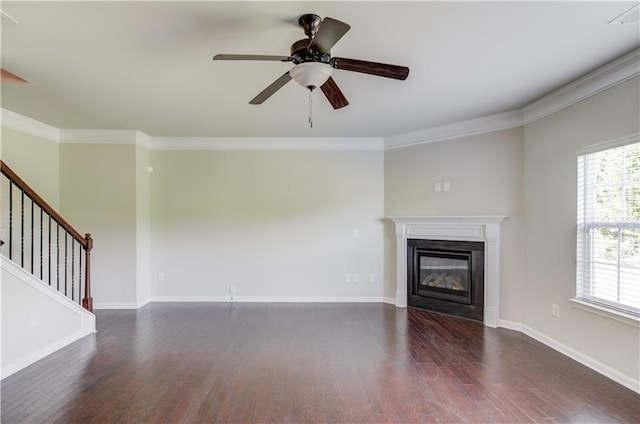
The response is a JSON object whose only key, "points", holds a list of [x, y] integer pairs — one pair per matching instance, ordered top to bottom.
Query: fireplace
{"points": [[485, 229], [446, 276]]}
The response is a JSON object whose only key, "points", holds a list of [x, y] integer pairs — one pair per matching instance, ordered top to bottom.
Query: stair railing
{"points": [[41, 241]]}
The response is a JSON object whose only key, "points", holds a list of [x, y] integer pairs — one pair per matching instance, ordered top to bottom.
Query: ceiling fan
{"points": [[314, 64]]}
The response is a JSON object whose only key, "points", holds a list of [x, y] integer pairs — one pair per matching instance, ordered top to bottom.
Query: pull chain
{"points": [[311, 106]]}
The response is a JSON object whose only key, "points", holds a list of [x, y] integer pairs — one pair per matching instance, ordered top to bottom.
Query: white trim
{"points": [[603, 78], [597, 81], [28, 125], [482, 125], [99, 136], [143, 140], [267, 143], [611, 144], [464, 228], [271, 299], [389, 300], [142, 303], [116, 305], [610, 313], [87, 319], [510, 325], [42, 353], [628, 382]]}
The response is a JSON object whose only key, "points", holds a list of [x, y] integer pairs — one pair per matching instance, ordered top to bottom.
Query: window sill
{"points": [[628, 319]]}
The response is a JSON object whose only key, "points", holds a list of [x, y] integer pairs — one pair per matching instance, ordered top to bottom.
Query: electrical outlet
{"points": [[446, 186], [437, 187], [354, 232], [161, 276], [372, 277], [348, 278], [356, 278], [233, 289], [555, 310]]}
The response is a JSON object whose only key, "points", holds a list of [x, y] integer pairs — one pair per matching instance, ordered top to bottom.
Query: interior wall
{"points": [[35, 159], [485, 173], [98, 195], [550, 207], [143, 224], [273, 224], [37, 325]]}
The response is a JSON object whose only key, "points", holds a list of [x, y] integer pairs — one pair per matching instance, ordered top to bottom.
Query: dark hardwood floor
{"points": [[344, 363]]}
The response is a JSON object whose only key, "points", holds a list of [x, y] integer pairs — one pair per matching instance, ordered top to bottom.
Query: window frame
{"points": [[584, 242]]}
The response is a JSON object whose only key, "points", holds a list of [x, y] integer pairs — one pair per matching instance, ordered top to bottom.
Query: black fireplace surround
{"points": [[446, 276]]}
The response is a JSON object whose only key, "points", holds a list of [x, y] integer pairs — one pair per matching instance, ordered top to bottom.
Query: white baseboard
{"points": [[261, 299], [389, 300], [142, 303], [116, 305], [510, 325], [46, 351], [626, 381], [629, 382]]}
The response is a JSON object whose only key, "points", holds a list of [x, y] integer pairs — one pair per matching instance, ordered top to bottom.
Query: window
{"points": [[608, 249]]}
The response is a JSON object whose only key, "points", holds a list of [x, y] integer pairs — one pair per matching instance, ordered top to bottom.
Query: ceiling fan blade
{"points": [[329, 32], [252, 57], [372, 68], [6, 76], [270, 90], [333, 94]]}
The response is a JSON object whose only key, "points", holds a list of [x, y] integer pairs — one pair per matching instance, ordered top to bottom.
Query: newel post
{"points": [[87, 302]]}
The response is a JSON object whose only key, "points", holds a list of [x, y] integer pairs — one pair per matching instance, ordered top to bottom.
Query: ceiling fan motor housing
{"points": [[301, 53]]}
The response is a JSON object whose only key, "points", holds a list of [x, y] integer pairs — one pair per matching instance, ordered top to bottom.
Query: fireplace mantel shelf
{"points": [[468, 228]]}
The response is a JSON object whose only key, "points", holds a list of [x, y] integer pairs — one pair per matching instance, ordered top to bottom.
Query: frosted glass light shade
{"points": [[311, 74]]}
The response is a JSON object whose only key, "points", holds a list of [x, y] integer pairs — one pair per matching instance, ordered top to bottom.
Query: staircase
{"points": [[38, 239], [45, 286]]}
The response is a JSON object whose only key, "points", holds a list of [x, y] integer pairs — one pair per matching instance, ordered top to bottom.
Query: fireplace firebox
{"points": [[446, 276]]}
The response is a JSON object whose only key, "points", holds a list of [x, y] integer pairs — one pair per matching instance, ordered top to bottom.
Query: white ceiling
{"points": [[148, 65]]}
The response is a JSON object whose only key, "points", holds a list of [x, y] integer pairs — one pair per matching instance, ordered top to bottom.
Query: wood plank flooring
{"points": [[306, 363]]}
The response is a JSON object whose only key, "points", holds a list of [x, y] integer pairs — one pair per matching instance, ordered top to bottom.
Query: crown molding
{"points": [[603, 78], [485, 124], [29, 126], [98, 136], [143, 140], [267, 143]]}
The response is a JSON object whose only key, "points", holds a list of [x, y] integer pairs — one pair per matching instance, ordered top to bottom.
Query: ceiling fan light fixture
{"points": [[311, 74]]}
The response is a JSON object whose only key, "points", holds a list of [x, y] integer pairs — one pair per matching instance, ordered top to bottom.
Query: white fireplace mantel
{"points": [[463, 228]]}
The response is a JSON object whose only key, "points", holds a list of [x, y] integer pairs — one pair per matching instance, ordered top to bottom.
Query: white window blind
{"points": [[608, 249]]}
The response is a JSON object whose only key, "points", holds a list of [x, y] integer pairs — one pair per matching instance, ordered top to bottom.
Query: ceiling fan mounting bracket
{"points": [[310, 23]]}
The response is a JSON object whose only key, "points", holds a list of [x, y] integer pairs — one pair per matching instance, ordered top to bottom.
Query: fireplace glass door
{"points": [[444, 276]]}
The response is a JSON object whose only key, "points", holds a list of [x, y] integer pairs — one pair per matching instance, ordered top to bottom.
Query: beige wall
{"points": [[35, 160], [485, 172], [97, 194], [550, 208], [143, 222], [273, 223], [279, 223]]}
